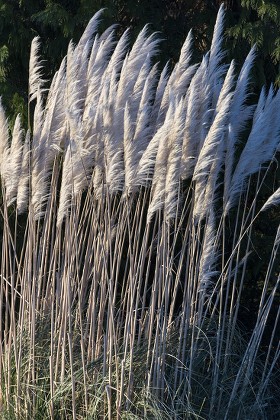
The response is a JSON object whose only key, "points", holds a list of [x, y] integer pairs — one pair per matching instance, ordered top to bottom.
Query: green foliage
{"points": [[258, 22], [4, 54]]}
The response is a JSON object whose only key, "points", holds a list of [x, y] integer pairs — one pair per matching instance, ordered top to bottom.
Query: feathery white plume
{"points": [[89, 31], [145, 47], [216, 52], [185, 55], [184, 61], [98, 63], [35, 69], [227, 86], [75, 87], [263, 98], [240, 112], [158, 114], [239, 116], [144, 125], [193, 126], [4, 141], [48, 142], [113, 142], [260, 148], [129, 150], [37, 159], [210, 160], [14, 162], [174, 162], [146, 167], [160, 171], [23, 184], [66, 189], [274, 200], [209, 256]]}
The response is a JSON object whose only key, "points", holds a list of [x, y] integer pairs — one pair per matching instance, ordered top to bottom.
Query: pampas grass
{"points": [[128, 226]]}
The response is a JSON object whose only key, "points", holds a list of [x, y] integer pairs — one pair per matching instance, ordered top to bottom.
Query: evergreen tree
{"points": [[257, 22]]}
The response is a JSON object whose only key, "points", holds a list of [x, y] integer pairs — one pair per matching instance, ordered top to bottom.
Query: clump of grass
{"points": [[127, 231]]}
